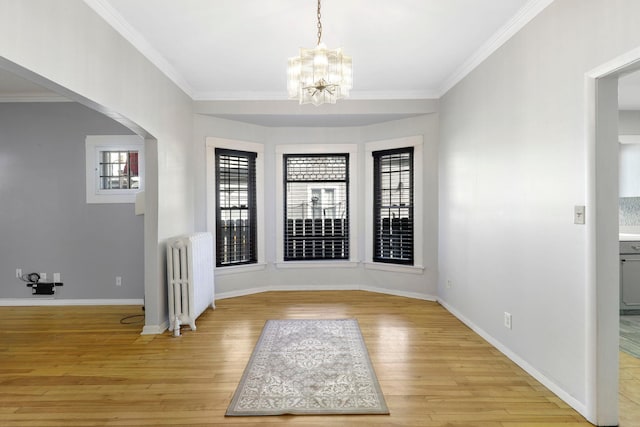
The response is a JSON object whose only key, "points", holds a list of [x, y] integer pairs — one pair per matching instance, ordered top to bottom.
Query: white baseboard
{"points": [[328, 287], [257, 290], [240, 293], [412, 295], [50, 301], [155, 329], [544, 380]]}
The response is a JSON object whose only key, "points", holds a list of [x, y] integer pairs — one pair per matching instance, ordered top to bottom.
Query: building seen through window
{"points": [[119, 170], [316, 206], [393, 206], [235, 208]]}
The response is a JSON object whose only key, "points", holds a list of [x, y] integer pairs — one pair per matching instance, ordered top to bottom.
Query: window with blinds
{"points": [[316, 206], [393, 206], [235, 207]]}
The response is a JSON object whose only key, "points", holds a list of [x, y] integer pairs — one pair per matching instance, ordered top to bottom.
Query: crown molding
{"points": [[529, 11], [118, 23], [395, 95], [240, 96], [282, 96], [44, 97]]}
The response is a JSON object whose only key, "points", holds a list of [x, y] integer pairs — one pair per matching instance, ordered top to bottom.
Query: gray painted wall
{"points": [[88, 61], [513, 164], [45, 223], [419, 285]]}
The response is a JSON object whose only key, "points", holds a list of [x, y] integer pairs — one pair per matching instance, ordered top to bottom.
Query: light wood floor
{"points": [[79, 366]]}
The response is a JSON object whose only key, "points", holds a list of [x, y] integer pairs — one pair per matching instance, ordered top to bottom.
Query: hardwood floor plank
{"points": [[79, 366], [629, 390]]}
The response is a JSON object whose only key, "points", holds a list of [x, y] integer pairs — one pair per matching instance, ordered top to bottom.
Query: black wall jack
{"points": [[38, 287], [44, 288]]}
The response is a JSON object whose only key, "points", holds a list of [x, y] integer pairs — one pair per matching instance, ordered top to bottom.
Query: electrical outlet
{"points": [[18, 273], [43, 277], [56, 277], [118, 280], [449, 283], [507, 320]]}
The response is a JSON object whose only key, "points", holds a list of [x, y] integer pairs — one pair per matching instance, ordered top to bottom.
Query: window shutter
{"points": [[316, 206], [393, 206], [236, 221]]}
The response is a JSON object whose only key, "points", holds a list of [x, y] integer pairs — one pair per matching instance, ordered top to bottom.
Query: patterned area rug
{"points": [[309, 367]]}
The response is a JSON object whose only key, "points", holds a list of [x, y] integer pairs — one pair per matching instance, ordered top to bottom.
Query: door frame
{"points": [[603, 262]]}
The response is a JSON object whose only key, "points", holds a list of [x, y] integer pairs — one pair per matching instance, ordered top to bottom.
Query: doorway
{"points": [[27, 81], [629, 221], [603, 275]]}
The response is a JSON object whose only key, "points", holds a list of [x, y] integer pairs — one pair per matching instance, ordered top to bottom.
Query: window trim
{"points": [[211, 143], [94, 145], [352, 150], [418, 255]]}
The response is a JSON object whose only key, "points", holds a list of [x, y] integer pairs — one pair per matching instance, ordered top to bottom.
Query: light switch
{"points": [[578, 214]]}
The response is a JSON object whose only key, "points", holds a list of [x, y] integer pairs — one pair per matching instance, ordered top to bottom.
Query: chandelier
{"points": [[319, 75]]}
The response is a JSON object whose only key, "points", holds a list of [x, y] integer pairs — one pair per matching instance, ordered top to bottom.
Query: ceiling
{"points": [[237, 49], [17, 89]]}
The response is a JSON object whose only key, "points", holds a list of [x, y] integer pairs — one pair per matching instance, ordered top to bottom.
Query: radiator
{"points": [[190, 278]]}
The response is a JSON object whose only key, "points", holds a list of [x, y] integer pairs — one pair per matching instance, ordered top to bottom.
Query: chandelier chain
{"points": [[319, 24]]}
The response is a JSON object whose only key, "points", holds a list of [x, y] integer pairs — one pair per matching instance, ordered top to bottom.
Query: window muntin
{"points": [[118, 170], [316, 200], [393, 210], [236, 223]]}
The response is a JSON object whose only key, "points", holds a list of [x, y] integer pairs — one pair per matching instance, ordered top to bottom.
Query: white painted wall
{"points": [[69, 48], [629, 122], [513, 163], [629, 171], [418, 285]]}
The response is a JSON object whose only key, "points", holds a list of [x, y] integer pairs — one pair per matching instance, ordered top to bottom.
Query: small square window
{"points": [[115, 168], [119, 170]]}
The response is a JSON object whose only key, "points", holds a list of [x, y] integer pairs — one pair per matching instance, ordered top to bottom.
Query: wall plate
{"points": [[578, 214]]}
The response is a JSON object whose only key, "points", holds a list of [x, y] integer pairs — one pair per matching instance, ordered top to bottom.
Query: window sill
{"points": [[112, 198], [316, 264], [381, 266], [238, 269]]}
